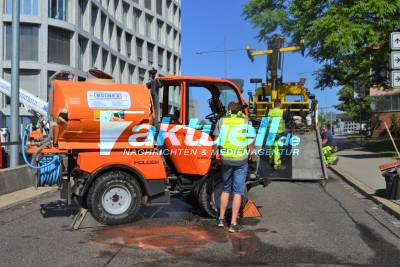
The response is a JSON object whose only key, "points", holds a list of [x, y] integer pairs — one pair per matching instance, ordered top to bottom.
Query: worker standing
{"points": [[329, 146], [234, 151], [274, 153]]}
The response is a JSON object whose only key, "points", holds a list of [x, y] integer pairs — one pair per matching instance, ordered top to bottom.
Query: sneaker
{"points": [[220, 223], [234, 228]]}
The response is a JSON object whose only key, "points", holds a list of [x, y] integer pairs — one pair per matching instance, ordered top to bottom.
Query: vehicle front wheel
{"points": [[115, 198]]}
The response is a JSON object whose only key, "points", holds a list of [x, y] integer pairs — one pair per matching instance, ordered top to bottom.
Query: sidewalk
{"points": [[361, 164], [360, 168], [23, 195]]}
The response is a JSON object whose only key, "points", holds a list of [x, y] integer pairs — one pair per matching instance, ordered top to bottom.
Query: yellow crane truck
{"points": [[305, 162]]}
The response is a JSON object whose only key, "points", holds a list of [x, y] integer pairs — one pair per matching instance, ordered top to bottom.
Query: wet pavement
{"points": [[302, 223]]}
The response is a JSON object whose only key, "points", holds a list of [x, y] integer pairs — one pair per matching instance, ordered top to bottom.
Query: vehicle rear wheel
{"points": [[209, 195], [115, 198]]}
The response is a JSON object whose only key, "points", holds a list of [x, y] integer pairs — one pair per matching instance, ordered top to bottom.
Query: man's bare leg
{"points": [[237, 201], [223, 204]]}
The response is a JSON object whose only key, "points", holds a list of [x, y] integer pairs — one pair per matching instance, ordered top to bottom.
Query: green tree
{"points": [[348, 38], [359, 109]]}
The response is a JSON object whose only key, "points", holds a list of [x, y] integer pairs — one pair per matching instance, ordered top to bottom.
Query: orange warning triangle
{"points": [[250, 210]]}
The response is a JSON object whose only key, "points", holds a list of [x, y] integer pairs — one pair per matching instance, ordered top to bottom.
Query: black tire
{"points": [[112, 181], [209, 195]]}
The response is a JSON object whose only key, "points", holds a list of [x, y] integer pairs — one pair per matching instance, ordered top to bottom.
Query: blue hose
{"points": [[48, 168]]}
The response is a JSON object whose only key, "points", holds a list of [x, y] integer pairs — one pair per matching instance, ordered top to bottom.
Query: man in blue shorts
{"points": [[234, 151]]}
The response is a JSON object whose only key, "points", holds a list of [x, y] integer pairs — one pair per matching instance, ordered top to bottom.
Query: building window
{"points": [[116, 3], [147, 4], [27, 7], [159, 7], [58, 9], [169, 9], [82, 10], [125, 10], [175, 14], [136, 19], [94, 20], [149, 21], [160, 26], [103, 27], [110, 34], [169, 36], [119, 37], [29, 42], [83, 44], [129, 45], [59, 48], [139, 51], [95, 54], [150, 54], [169, 56], [160, 58], [104, 60], [114, 67], [122, 71], [131, 74], [142, 75], [385, 103]]}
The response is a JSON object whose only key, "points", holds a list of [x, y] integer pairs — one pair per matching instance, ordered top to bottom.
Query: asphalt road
{"points": [[302, 224]]}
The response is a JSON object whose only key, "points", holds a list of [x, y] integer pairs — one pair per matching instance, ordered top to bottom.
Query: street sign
{"points": [[395, 41], [395, 60], [396, 79], [359, 89]]}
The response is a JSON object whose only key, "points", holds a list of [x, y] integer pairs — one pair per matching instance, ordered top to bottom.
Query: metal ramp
{"points": [[309, 163]]}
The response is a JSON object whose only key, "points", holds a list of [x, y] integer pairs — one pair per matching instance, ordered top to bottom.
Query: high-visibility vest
{"points": [[277, 113], [229, 151]]}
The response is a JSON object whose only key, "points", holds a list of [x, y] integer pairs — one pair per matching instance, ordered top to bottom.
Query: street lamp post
{"points": [[14, 133]]}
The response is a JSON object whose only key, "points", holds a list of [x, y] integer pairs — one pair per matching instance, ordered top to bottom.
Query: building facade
{"points": [[125, 38], [385, 107]]}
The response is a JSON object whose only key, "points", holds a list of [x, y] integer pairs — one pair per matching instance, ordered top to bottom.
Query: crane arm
{"points": [[251, 53], [29, 100]]}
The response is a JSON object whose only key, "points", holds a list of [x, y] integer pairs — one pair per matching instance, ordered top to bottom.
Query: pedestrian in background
{"points": [[329, 146], [274, 153]]}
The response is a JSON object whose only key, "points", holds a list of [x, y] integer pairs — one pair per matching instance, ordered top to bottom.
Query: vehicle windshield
{"points": [[227, 95], [208, 101]]}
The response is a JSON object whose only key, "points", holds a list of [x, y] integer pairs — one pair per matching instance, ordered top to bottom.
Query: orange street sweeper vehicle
{"points": [[104, 146]]}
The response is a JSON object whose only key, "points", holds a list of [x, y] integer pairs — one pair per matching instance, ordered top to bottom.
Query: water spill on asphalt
{"points": [[177, 240]]}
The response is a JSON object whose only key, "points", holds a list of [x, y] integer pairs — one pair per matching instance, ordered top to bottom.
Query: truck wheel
{"points": [[210, 194], [115, 198]]}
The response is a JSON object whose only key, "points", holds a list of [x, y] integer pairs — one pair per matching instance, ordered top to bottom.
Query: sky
{"points": [[206, 24]]}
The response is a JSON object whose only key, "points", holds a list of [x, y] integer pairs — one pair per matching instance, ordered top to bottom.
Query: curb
{"points": [[14, 179], [368, 192], [21, 196]]}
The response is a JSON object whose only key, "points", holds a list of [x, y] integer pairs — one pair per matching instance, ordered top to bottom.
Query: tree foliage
{"points": [[349, 38], [358, 108]]}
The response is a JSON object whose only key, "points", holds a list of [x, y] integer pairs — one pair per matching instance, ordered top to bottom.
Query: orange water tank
{"points": [[86, 111]]}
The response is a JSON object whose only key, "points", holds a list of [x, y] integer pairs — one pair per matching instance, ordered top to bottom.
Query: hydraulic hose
{"points": [[48, 168]]}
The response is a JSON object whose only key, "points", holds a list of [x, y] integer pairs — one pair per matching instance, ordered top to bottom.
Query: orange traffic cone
{"points": [[250, 210]]}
